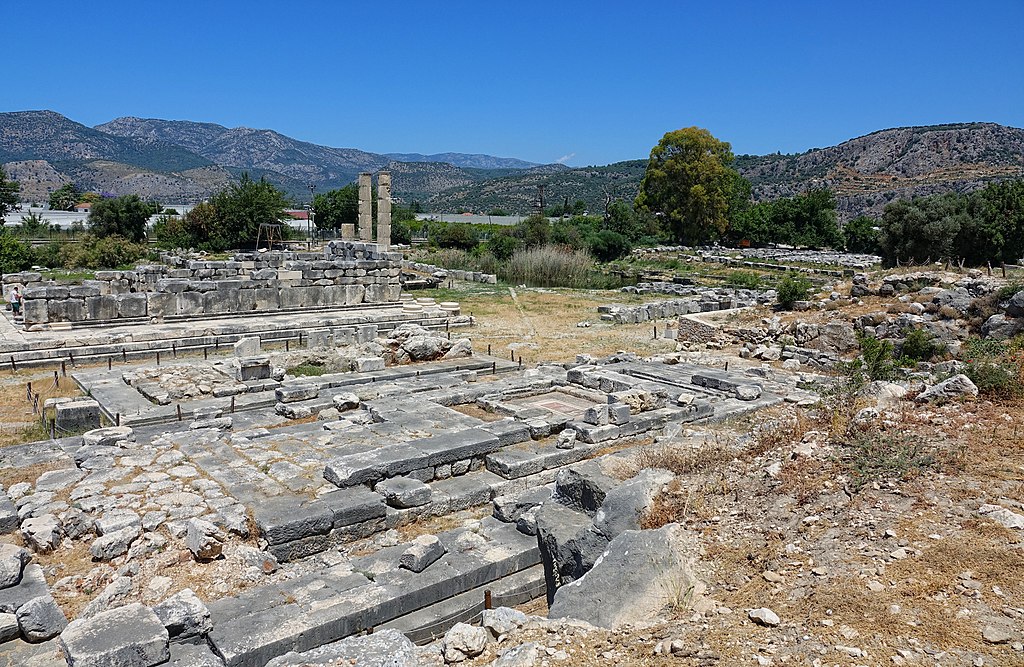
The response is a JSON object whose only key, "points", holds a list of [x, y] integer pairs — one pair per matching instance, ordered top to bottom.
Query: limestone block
{"points": [[221, 301], [190, 303], [161, 304], [132, 305], [35, 312], [247, 347], [368, 364], [296, 392], [77, 415], [404, 492], [424, 550], [184, 615], [41, 619], [132, 635]]}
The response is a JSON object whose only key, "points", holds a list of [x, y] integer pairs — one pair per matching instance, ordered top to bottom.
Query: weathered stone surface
{"points": [[1015, 306], [247, 347], [368, 364], [954, 387], [296, 392], [748, 392], [346, 401], [76, 416], [583, 487], [404, 492], [625, 505], [510, 507], [1002, 515], [117, 520], [42, 533], [203, 539], [115, 543], [568, 543], [424, 550], [13, 560], [638, 574], [32, 585], [184, 615], [764, 616], [40, 619], [502, 620], [8, 627], [129, 636], [463, 642], [385, 648], [524, 655]]}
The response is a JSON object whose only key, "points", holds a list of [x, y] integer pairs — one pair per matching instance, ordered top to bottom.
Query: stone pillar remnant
{"points": [[365, 208], [384, 210]]}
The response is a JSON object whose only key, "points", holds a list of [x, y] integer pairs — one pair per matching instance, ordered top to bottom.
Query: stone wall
{"points": [[344, 273], [457, 274]]}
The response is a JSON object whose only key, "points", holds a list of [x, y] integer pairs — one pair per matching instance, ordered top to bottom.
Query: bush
{"points": [[125, 217], [454, 235], [502, 245], [608, 246], [110, 252], [51, 254], [15, 255], [548, 266], [744, 280], [791, 289], [919, 345], [877, 356], [995, 367]]}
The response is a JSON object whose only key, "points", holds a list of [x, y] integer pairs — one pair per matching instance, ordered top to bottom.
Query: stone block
{"points": [[161, 304], [190, 304], [132, 305], [35, 312], [247, 347], [368, 364], [253, 368], [296, 392], [79, 415], [451, 447], [404, 492], [40, 619], [129, 636]]}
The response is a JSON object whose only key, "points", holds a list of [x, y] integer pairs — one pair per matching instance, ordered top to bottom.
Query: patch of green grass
{"points": [[68, 275], [307, 369]]}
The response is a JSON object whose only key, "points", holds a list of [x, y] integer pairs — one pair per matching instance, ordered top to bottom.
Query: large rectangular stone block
{"points": [[190, 303], [161, 304], [132, 305], [102, 307], [35, 312], [81, 415]]}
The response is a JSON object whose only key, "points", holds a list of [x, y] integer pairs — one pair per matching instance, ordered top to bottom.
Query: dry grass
{"points": [[475, 411], [17, 422], [681, 459]]}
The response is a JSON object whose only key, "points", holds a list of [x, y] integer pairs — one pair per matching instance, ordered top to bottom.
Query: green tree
{"points": [[689, 183], [8, 194], [65, 197], [242, 207], [337, 207], [124, 216], [533, 231], [862, 235], [15, 254]]}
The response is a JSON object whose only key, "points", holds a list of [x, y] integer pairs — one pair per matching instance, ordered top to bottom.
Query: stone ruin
{"points": [[307, 488]]}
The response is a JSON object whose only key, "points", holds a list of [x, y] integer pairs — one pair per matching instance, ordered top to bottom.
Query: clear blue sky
{"points": [[588, 82]]}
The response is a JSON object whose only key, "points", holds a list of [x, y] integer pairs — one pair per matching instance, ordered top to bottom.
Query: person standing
{"points": [[16, 302]]}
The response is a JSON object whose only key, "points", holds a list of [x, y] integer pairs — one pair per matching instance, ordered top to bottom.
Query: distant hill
{"points": [[176, 160], [470, 160], [868, 172], [517, 193]]}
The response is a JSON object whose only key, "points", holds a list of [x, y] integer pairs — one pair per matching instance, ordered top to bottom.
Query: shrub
{"points": [[455, 235], [502, 245], [607, 246], [109, 252], [51, 254], [15, 255], [548, 266], [744, 280], [792, 288], [1008, 290], [920, 345], [877, 356], [995, 367]]}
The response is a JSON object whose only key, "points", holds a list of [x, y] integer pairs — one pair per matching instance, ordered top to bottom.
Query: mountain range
{"points": [[183, 161]]}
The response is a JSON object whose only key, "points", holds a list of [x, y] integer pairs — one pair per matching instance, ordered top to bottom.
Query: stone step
{"points": [[326, 606]]}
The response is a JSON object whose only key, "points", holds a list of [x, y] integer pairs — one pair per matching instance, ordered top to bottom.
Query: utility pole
{"points": [[309, 218]]}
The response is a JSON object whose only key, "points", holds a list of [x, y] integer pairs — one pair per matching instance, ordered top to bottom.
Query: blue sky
{"points": [[585, 82]]}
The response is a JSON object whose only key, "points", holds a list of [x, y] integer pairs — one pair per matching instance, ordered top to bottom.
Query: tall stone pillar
{"points": [[365, 208], [384, 210]]}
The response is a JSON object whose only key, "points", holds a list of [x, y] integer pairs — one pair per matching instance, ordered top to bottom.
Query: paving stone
{"points": [[296, 392], [508, 431], [452, 447], [56, 480], [509, 508], [117, 520], [42, 533], [204, 539], [129, 636], [386, 648], [193, 655]]}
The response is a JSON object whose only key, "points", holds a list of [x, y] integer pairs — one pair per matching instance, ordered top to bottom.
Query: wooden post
{"points": [[286, 346], [488, 349], [174, 350], [206, 353], [71, 356], [124, 356], [158, 357], [110, 363], [14, 366], [494, 368], [63, 369], [232, 405], [179, 411], [117, 419], [488, 601]]}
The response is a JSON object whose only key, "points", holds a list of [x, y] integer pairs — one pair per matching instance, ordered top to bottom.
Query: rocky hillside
{"points": [[465, 160], [868, 172], [518, 193]]}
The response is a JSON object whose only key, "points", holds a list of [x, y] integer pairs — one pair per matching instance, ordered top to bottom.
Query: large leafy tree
{"points": [[690, 184], [8, 193], [65, 197], [243, 206], [337, 207], [124, 216]]}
